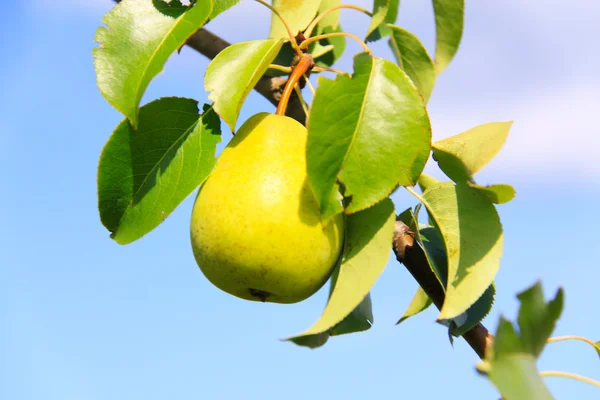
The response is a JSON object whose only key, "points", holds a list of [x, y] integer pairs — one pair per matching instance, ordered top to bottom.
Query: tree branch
{"points": [[413, 257]]}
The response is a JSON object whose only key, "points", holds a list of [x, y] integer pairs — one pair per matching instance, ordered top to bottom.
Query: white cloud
{"points": [[554, 135]]}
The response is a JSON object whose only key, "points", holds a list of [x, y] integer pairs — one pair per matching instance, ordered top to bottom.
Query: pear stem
{"points": [[284, 22], [313, 24], [307, 42], [306, 63]]}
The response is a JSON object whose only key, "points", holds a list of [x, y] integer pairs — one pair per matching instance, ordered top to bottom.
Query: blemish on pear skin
{"points": [[261, 294]]}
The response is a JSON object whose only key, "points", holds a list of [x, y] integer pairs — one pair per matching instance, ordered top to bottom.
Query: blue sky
{"points": [[84, 318]]}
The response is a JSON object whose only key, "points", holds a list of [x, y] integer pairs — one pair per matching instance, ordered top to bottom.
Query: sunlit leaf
{"points": [[220, 6], [384, 12], [298, 14], [449, 19], [139, 37], [413, 59], [234, 72], [371, 131], [462, 156], [143, 175], [425, 181], [498, 193], [473, 239], [431, 240], [366, 252], [419, 303], [360, 319]]}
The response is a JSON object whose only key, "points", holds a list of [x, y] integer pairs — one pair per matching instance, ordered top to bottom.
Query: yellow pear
{"points": [[256, 229]]}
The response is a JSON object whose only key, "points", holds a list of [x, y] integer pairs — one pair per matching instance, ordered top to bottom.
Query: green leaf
{"points": [[220, 6], [385, 12], [298, 14], [449, 16], [139, 37], [413, 59], [234, 72], [371, 131], [462, 156], [143, 175], [425, 181], [498, 194], [473, 239], [432, 243], [366, 252], [419, 303], [475, 314], [537, 319], [359, 320], [511, 362], [516, 377]]}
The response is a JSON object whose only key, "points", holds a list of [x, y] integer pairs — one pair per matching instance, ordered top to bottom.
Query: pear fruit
{"points": [[256, 228]]}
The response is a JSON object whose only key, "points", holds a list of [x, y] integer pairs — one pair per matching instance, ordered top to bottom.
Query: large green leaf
{"points": [[220, 6], [384, 12], [298, 14], [449, 19], [139, 37], [413, 59], [234, 72], [371, 131], [462, 156], [143, 175], [498, 193], [473, 239], [366, 252], [419, 303]]}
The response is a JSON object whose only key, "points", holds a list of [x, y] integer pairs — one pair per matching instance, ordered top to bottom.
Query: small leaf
{"points": [[220, 6], [384, 12], [298, 14], [449, 19], [139, 37], [327, 51], [413, 59], [234, 72], [370, 130], [463, 155], [143, 175], [425, 181], [498, 194], [473, 239], [366, 252], [419, 303], [475, 314], [537, 319], [359, 320], [598, 348], [511, 363], [516, 377]]}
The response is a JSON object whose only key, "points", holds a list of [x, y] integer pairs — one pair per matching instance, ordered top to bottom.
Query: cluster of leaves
{"points": [[362, 148]]}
